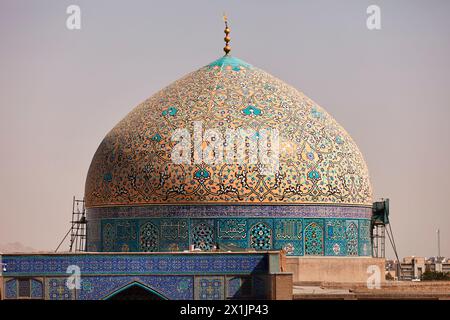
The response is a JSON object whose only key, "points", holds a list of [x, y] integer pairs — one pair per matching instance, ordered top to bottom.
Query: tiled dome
{"points": [[319, 162]]}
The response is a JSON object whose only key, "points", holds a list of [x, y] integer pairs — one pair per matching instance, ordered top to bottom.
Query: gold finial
{"points": [[227, 38]]}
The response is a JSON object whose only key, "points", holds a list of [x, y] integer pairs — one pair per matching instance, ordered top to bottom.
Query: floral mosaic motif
{"points": [[172, 111], [252, 111], [316, 113], [156, 138], [339, 140], [319, 162], [202, 174], [313, 175], [107, 177], [234, 229], [109, 235], [203, 237], [260, 237], [149, 238], [313, 239], [352, 239], [336, 248], [289, 249], [183, 285], [209, 288], [11, 289], [37, 289], [56, 289]]}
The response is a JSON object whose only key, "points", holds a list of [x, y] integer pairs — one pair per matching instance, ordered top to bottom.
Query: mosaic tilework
{"points": [[319, 162], [241, 211], [93, 233], [231, 233], [259, 233], [174, 234], [203, 234], [108, 235], [261, 236], [288, 236], [335, 237], [127, 238], [149, 238], [352, 238], [336, 240], [314, 244], [364, 244], [137, 264], [201, 276], [167, 287], [170, 287], [209, 288], [11, 289], [37, 289], [56, 289]]}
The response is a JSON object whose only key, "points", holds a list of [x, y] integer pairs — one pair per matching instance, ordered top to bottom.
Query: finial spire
{"points": [[227, 38]]}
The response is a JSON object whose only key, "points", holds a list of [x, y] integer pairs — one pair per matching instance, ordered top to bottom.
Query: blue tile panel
{"points": [[240, 211], [297, 236], [136, 264], [209, 288], [11, 289], [37, 289], [56, 289]]}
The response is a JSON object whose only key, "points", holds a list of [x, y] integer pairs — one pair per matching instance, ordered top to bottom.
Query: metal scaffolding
{"points": [[380, 227], [77, 229], [379, 240]]}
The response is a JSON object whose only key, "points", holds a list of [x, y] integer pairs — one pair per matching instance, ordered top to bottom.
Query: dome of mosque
{"points": [[318, 162]]}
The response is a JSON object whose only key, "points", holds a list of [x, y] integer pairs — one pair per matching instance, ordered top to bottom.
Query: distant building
{"points": [[414, 267]]}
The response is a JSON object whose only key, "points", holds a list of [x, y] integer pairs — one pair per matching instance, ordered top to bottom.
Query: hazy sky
{"points": [[61, 91]]}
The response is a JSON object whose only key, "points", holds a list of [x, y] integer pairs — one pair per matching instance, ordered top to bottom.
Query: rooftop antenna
{"points": [[227, 38], [438, 243]]}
